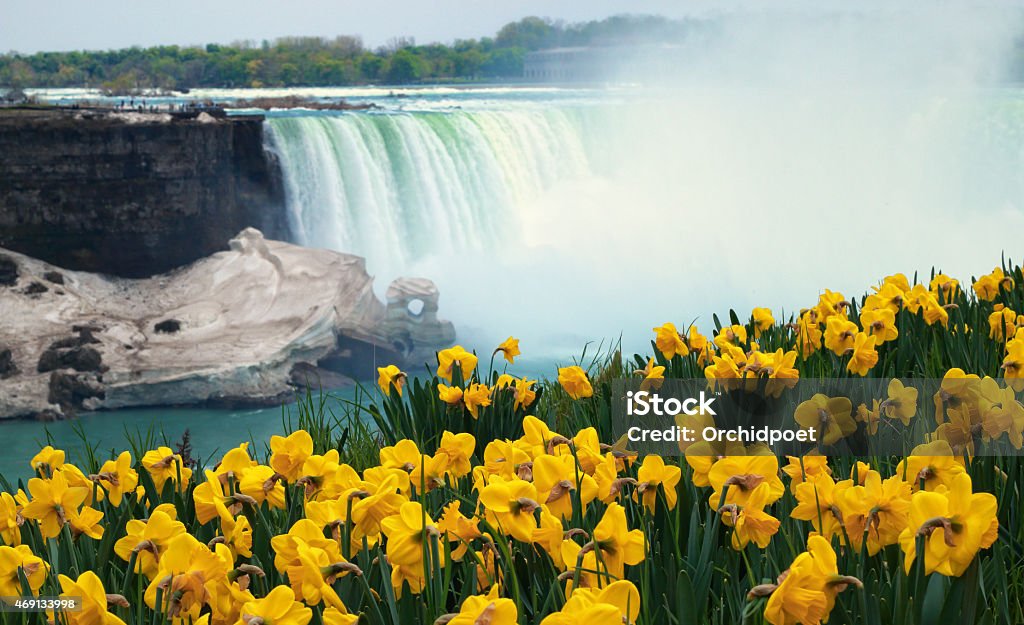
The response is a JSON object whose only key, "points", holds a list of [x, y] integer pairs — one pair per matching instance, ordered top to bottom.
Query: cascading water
{"points": [[398, 187]]}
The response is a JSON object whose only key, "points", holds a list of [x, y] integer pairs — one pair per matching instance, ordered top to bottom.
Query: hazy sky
{"points": [[34, 25]]}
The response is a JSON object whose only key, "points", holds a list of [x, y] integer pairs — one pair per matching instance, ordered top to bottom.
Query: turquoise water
{"points": [[212, 431]]}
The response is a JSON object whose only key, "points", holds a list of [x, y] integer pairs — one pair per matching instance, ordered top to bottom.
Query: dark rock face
{"points": [[107, 195], [8, 271], [54, 277], [36, 288], [167, 326], [73, 352], [7, 366], [70, 391]]}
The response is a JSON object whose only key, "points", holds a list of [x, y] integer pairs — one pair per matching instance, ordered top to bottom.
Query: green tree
{"points": [[405, 67]]}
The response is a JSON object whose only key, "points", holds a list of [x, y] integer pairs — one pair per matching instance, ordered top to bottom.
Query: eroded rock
{"points": [[254, 323], [75, 391]]}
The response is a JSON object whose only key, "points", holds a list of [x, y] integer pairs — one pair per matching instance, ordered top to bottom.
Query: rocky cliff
{"points": [[132, 194], [244, 326]]}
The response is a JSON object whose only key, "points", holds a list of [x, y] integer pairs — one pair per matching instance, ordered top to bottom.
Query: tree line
{"points": [[319, 61]]}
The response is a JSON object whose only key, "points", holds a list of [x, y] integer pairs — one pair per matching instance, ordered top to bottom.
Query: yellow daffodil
{"points": [[987, 287], [944, 288], [889, 296], [831, 304], [762, 319], [881, 324], [1002, 324], [840, 334], [808, 335], [731, 336], [669, 341], [700, 345], [509, 349], [863, 356], [452, 357], [1013, 363], [654, 376], [390, 377], [575, 382], [524, 393], [451, 395], [475, 397], [901, 403], [869, 416], [831, 418], [457, 450], [288, 454], [47, 461], [934, 463], [163, 464], [805, 468], [655, 476], [738, 476], [117, 477], [556, 478], [263, 484], [381, 500], [52, 502], [816, 503], [509, 506], [875, 511], [10, 520], [85, 521], [955, 521], [751, 524], [460, 529], [550, 534], [147, 541], [618, 544], [406, 547], [20, 559], [184, 571], [806, 592], [93, 600], [617, 603], [279, 607], [490, 609], [334, 616]]}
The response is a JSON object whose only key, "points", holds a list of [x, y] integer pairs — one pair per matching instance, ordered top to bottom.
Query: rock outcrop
{"points": [[132, 194], [244, 326]]}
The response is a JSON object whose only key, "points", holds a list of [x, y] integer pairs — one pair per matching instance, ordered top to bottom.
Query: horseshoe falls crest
{"points": [[399, 187]]}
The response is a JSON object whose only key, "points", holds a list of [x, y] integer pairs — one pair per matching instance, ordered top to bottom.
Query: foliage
{"points": [[315, 61], [457, 498]]}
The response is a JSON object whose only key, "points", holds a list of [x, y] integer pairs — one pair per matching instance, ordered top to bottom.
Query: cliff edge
{"points": [[132, 194]]}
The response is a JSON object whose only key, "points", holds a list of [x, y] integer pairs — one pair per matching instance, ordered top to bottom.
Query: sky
{"points": [[53, 25]]}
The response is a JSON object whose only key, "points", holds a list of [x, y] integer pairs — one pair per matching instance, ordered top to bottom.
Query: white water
{"points": [[794, 154], [399, 188]]}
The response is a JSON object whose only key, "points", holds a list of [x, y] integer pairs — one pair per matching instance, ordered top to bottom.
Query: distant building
{"points": [[601, 63], [562, 64]]}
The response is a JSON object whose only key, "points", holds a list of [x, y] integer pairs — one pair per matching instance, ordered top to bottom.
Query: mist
{"points": [[784, 153]]}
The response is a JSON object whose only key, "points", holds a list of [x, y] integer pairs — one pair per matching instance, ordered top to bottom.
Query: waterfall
{"points": [[397, 187]]}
